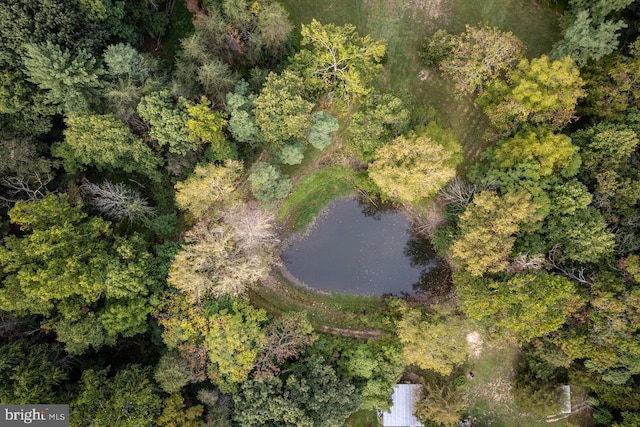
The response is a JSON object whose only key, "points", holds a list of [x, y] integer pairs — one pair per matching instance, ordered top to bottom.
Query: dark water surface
{"points": [[357, 249]]}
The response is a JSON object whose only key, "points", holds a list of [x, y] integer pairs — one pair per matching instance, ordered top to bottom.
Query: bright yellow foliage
{"points": [[413, 169], [209, 185], [487, 229]]}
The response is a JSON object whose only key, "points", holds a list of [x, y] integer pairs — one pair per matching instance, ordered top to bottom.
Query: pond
{"points": [[356, 248]]}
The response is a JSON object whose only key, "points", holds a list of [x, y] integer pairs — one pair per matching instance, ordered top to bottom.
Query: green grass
{"points": [[405, 23], [315, 192], [325, 311], [489, 392], [364, 419]]}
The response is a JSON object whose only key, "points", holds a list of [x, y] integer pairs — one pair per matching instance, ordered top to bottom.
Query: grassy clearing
{"points": [[405, 23], [315, 192], [355, 313], [489, 393], [364, 419]]}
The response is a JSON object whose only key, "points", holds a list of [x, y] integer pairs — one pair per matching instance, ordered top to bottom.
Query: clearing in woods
{"points": [[405, 23]]}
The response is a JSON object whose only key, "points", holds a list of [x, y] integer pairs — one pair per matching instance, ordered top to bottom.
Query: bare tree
{"points": [[29, 187], [459, 193], [117, 201], [252, 227], [526, 262], [571, 272]]}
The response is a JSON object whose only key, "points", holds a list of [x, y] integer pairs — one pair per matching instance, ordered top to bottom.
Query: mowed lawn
{"points": [[405, 23]]}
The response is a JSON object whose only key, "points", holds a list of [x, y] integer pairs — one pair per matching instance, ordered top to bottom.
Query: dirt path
{"points": [[353, 333]]}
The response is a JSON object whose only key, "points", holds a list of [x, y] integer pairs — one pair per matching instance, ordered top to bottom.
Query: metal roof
{"points": [[401, 413]]}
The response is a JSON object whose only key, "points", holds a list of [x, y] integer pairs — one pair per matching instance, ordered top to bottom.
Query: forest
{"points": [[157, 158]]}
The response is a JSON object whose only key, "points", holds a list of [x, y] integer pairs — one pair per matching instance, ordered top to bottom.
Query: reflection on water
{"points": [[361, 248]]}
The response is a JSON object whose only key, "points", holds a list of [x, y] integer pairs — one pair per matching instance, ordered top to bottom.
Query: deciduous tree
{"points": [[479, 56], [338, 61], [539, 91], [281, 111], [168, 121], [206, 126], [105, 142], [413, 169], [209, 187], [487, 228], [90, 286], [526, 305], [233, 341], [436, 342], [129, 398]]}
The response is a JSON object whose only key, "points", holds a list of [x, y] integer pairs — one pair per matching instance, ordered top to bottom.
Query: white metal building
{"points": [[401, 412]]}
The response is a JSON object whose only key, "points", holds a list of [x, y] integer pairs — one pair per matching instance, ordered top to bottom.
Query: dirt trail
{"points": [[353, 333]]}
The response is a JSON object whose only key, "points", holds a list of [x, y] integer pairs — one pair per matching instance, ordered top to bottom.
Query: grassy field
{"points": [[405, 23], [354, 315], [489, 393]]}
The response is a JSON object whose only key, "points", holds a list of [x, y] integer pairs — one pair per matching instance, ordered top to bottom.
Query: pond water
{"points": [[356, 248]]}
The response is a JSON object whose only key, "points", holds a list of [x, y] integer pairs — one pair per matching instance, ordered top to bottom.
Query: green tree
{"points": [[274, 26], [588, 39], [435, 48], [479, 56], [124, 61], [337, 61], [71, 81], [612, 85], [539, 91], [24, 109], [281, 111], [377, 120], [168, 121], [242, 122], [206, 126], [322, 128], [105, 142], [291, 153], [551, 153], [414, 169], [267, 183], [209, 187], [487, 228], [582, 237], [89, 286], [526, 305], [606, 334], [233, 341], [436, 342], [375, 368], [173, 372], [32, 373], [312, 394], [129, 398]]}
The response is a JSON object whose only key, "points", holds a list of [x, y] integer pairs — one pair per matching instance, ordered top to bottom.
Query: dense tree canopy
{"points": [[90, 286]]}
